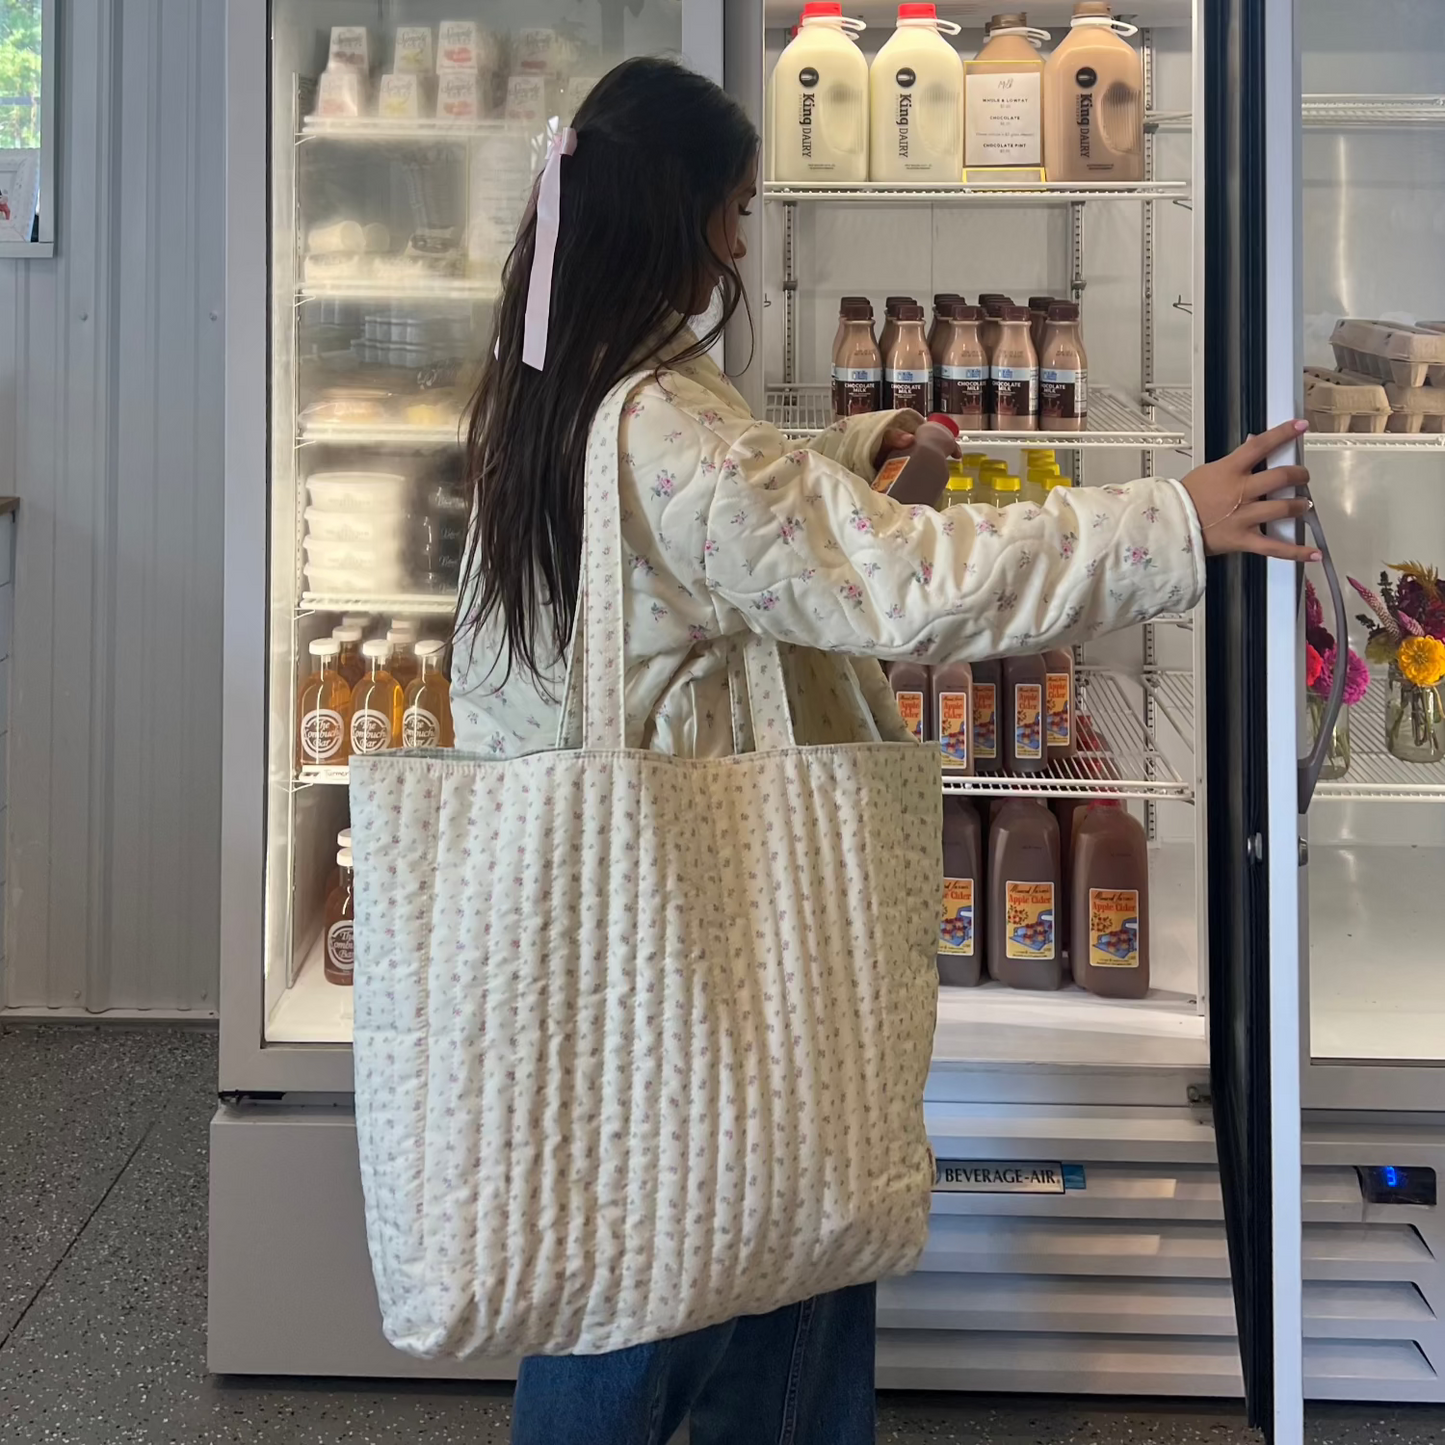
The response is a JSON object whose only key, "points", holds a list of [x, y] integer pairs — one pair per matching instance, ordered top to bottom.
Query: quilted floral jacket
{"points": [[728, 527]]}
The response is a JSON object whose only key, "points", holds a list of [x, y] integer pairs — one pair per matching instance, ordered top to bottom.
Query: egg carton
{"points": [[1409, 356], [1337, 401], [1416, 408]]}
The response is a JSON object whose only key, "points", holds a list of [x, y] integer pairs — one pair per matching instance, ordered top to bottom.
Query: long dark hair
{"points": [[659, 151]]}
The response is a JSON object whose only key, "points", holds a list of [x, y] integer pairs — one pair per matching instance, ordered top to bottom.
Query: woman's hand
{"points": [[895, 439], [1228, 497]]}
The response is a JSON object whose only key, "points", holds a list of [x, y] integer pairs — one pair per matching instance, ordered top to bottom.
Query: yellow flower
{"points": [[1421, 660]]}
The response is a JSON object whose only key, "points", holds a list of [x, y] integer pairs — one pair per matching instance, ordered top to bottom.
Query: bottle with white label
{"points": [[916, 81], [1004, 84], [820, 101], [858, 305], [857, 363], [908, 365], [1063, 371], [1014, 373], [961, 375], [909, 681], [376, 703], [324, 708], [953, 717], [426, 720], [1060, 734], [340, 935]]}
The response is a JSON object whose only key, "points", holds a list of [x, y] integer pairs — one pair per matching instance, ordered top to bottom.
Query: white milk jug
{"points": [[917, 84], [820, 101]]}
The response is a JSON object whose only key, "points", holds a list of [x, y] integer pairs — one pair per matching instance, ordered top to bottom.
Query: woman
{"points": [[727, 527]]}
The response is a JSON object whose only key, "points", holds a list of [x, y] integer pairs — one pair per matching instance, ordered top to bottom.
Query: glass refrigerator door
{"points": [[403, 147], [1372, 148]]}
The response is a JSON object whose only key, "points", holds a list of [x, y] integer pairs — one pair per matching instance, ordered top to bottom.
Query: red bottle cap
{"points": [[822, 7], [918, 12], [944, 420]]}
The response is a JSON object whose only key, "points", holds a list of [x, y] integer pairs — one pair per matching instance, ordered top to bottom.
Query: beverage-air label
{"points": [[1005, 118], [907, 388], [862, 389], [961, 389], [1015, 392], [1063, 395], [910, 705], [1061, 710], [953, 711], [1028, 720], [985, 721], [419, 728], [323, 731], [370, 731], [1030, 920], [1113, 928], [955, 933], [340, 945]]}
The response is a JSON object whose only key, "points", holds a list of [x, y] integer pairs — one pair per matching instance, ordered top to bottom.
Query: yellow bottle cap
{"points": [[1039, 454], [974, 459], [994, 466], [959, 478], [1052, 482], [1005, 483]]}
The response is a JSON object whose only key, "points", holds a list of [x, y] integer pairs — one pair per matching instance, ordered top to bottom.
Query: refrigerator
{"points": [[1226, 1187]]}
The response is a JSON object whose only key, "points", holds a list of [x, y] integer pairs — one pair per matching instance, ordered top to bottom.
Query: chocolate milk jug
{"points": [[1094, 100], [820, 101], [843, 306], [857, 364], [908, 366], [962, 369], [1063, 371], [1014, 373], [917, 475], [909, 681], [987, 685], [1025, 685], [953, 716], [1061, 736], [1023, 896], [1110, 903], [960, 933]]}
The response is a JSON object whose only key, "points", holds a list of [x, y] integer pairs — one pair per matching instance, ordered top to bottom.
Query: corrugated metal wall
{"points": [[111, 376]]}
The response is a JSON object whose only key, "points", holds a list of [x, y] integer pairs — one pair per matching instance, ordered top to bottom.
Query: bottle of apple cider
{"points": [[349, 663], [909, 681], [377, 702], [324, 709], [987, 709], [426, 721], [340, 930]]}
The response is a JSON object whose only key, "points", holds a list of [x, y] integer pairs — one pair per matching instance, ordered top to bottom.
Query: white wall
{"points": [[111, 436]]}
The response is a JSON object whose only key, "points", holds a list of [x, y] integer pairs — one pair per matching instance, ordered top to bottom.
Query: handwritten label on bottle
{"points": [[1004, 126], [910, 705], [1061, 710], [953, 719], [1028, 720], [985, 721], [322, 733], [1030, 914], [1113, 928], [955, 933]]}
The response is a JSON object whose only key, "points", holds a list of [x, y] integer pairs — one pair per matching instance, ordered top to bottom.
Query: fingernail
{"points": [[1301, 426], [1317, 556]]}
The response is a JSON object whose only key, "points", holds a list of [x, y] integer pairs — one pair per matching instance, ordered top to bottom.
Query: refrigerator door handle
{"points": [[1314, 761]]}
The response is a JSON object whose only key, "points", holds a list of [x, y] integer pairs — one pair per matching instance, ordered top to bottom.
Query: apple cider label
{"points": [[910, 705], [1061, 712], [953, 719], [1028, 720], [985, 721], [1030, 920], [1113, 928], [955, 933]]}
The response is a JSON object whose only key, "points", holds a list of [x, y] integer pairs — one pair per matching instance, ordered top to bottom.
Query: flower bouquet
{"points": [[1407, 632], [1321, 653]]}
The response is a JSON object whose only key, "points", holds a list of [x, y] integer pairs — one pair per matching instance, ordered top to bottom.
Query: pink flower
{"points": [[1314, 666]]}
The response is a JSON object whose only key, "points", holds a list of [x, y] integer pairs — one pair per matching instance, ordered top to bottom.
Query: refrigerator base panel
{"points": [[1119, 1287]]}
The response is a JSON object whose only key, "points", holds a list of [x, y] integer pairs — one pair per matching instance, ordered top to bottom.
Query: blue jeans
{"points": [[802, 1375]]}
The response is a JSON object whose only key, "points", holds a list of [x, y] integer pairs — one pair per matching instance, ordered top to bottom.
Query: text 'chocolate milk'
{"points": [[843, 309], [962, 371], [1014, 373], [1023, 896], [960, 933]]}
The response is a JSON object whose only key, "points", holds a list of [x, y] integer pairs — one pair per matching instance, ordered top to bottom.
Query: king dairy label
{"points": [[910, 705], [953, 710], [1028, 720], [1061, 720], [985, 721], [1029, 917], [1113, 928], [955, 933]]}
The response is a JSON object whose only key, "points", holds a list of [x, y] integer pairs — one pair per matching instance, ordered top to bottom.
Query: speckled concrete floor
{"points": [[103, 1292]]}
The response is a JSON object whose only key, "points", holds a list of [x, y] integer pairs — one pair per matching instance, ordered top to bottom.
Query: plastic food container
{"points": [[1337, 401], [359, 491], [365, 528], [355, 581]]}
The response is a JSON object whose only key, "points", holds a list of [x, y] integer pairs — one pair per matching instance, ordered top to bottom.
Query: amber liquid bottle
{"points": [[349, 663], [402, 666], [376, 703], [324, 710], [426, 720], [340, 933]]}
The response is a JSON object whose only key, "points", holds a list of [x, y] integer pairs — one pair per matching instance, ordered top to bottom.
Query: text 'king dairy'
{"points": [[917, 89], [1094, 100], [820, 101]]}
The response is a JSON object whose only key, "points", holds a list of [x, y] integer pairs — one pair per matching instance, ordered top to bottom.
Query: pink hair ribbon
{"points": [[544, 249]]}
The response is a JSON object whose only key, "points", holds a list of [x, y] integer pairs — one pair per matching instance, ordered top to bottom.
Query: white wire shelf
{"points": [[1340, 112], [422, 128], [888, 193], [401, 288], [1177, 401], [804, 409], [387, 435], [1354, 441], [394, 604], [1173, 692], [1123, 759], [1376, 775]]}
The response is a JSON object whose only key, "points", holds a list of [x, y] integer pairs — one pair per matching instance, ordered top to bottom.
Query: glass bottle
{"points": [[960, 489], [1006, 490], [349, 663], [402, 666], [376, 703], [324, 709], [426, 721], [1414, 721], [340, 930]]}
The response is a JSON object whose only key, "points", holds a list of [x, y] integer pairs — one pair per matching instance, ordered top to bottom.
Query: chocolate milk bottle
{"points": [[1094, 101], [993, 303], [1039, 320], [936, 331], [889, 334], [838, 335], [857, 363], [908, 365], [1063, 371], [962, 372], [1014, 374], [909, 681], [987, 685], [1024, 688], [953, 716], [1061, 736], [1023, 896], [1110, 903], [960, 934]]}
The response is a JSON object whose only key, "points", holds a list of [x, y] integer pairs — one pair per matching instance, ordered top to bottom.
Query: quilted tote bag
{"points": [[640, 1041]]}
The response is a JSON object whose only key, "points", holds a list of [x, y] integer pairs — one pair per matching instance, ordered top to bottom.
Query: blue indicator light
{"points": [[1392, 1177]]}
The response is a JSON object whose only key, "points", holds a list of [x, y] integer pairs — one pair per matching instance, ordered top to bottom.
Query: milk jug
{"points": [[917, 85], [1094, 100], [820, 101], [1004, 113]]}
